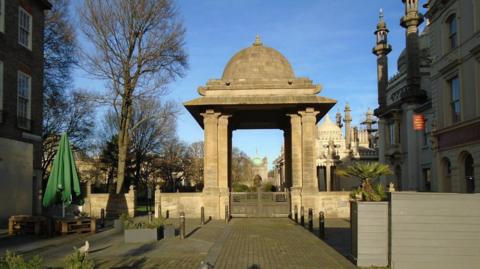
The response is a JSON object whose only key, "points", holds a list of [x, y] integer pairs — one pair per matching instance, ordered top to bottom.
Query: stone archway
{"points": [[258, 90]]}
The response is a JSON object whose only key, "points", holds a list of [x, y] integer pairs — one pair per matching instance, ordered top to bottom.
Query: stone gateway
{"points": [[259, 90]]}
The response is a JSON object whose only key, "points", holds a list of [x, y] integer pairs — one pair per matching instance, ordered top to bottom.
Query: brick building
{"points": [[21, 83]]}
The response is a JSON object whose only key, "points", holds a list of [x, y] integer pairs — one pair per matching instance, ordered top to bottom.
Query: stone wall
{"points": [[16, 178], [188, 202], [113, 204], [333, 204], [434, 230]]}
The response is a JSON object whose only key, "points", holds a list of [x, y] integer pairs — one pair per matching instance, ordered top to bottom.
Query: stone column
{"points": [[412, 140], [223, 145], [381, 145], [296, 151], [229, 158], [287, 158], [210, 161], [476, 175], [455, 177], [328, 178], [309, 182], [158, 202]]}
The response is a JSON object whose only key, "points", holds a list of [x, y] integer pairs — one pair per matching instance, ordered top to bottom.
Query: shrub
{"points": [[367, 171], [239, 187], [268, 187], [78, 260], [14, 261]]}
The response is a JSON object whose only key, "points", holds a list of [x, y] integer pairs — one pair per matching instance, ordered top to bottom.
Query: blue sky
{"points": [[328, 41]]}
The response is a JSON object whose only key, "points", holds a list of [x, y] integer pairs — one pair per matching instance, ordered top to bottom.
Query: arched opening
{"points": [[468, 172], [446, 175], [398, 177]]}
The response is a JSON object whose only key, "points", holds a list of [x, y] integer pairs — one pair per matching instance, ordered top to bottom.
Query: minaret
{"points": [[410, 22], [382, 49], [338, 118], [348, 120], [369, 122]]}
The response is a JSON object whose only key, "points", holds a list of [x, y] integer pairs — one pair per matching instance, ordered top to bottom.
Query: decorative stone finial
{"points": [[381, 16], [258, 41], [347, 107], [391, 187]]}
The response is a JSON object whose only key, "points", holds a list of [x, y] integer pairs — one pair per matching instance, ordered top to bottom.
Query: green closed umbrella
{"points": [[63, 180]]}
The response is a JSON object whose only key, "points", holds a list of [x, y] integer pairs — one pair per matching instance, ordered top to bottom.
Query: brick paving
{"points": [[243, 243], [275, 243]]}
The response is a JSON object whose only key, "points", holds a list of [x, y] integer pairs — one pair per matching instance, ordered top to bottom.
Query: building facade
{"points": [[455, 80], [21, 83], [429, 111], [339, 144]]}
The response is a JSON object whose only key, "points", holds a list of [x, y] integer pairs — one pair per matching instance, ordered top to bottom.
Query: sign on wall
{"points": [[418, 122]]}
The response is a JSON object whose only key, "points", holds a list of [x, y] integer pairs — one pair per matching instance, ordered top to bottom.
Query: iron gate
{"points": [[260, 204]]}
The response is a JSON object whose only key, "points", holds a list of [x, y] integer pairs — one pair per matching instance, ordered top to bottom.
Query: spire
{"points": [[410, 21], [258, 41], [381, 50], [338, 119], [348, 120]]}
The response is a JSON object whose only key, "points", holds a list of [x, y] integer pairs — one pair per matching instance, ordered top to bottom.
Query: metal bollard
{"points": [[296, 213], [167, 214], [202, 215], [227, 215], [302, 216], [150, 217], [102, 218], [310, 219], [182, 225], [321, 225]]}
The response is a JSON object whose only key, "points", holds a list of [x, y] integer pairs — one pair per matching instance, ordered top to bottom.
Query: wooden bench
{"points": [[26, 224], [78, 225]]}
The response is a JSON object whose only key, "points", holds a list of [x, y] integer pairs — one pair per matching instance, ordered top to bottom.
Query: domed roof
{"points": [[258, 63], [328, 129], [257, 161]]}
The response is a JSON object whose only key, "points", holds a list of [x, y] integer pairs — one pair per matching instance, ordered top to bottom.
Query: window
{"points": [[2, 16], [24, 28], [452, 31], [454, 85], [23, 100]]}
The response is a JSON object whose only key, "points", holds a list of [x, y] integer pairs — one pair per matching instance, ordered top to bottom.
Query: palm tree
{"points": [[367, 171]]}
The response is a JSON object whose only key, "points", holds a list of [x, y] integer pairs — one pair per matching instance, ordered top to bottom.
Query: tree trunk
{"points": [[123, 139]]}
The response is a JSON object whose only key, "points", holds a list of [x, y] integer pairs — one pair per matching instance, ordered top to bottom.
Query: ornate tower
{"points": [[410, 22], [382, 49], [338, 119], [348, 121]]}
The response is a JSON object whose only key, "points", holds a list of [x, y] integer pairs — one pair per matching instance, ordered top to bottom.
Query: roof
{"points": [[258, 63]]}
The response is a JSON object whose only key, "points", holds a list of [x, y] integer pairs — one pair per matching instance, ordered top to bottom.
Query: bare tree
{"points": [[138, 49], [64, 111], [156, 126], [194, 163], [241, 167]]}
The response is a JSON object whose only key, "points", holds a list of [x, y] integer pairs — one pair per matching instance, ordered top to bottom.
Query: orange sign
{"points": [[418, 122]]}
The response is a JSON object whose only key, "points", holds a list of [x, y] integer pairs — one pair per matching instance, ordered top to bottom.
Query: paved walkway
{"points": [[243, 243], [275, 243]]}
